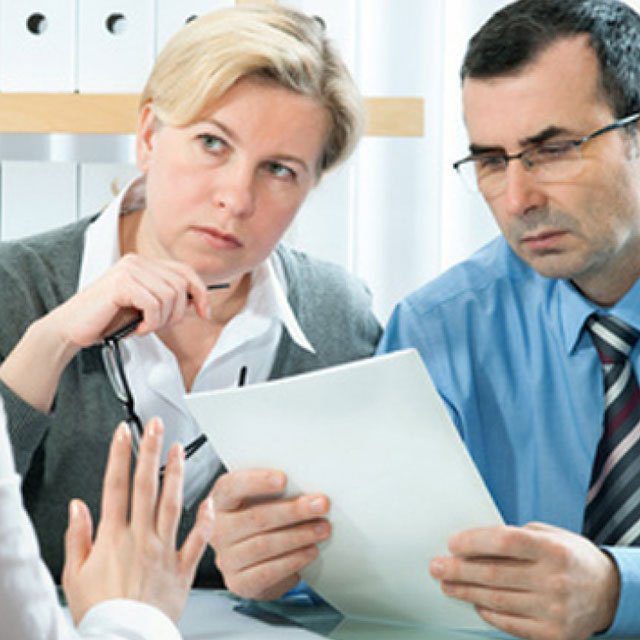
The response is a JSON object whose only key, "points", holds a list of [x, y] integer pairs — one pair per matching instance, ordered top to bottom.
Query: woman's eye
{"points": [[211, 142], [280, 170]]}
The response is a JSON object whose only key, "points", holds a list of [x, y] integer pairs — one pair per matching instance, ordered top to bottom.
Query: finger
{"points": [[171, 283], [185, 283], [195, 288], [134, 296], [162, 297], [145, 482], [233, 489], [115, 491], [170, 505], [239, 525], [78, 538], [198, 539], [497, 542], [272, 545], [488, 572], [267, 580], [519, 603], [519, 626]]}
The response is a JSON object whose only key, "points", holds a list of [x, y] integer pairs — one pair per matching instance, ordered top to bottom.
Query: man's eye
{"points": [[211, 142], [553, 151], [486, 164]]}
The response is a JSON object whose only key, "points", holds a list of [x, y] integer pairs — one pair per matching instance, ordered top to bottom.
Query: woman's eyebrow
{"points": [[228, 132]]}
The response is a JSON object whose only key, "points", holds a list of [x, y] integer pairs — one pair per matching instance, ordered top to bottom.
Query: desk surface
{"points": [[214, 615]]}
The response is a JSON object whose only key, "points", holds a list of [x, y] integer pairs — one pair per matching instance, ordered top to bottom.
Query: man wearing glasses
{"points": [[532, 341]]}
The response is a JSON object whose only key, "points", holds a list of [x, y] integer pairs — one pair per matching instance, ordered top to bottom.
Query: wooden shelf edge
{"points": [[117, 113]]}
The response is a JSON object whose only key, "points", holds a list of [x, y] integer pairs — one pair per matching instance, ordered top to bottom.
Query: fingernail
{"points": [[156, 427], [123, 432], [277, 481], [317, 505], [74, 509], [321, 529], [437, 567]]}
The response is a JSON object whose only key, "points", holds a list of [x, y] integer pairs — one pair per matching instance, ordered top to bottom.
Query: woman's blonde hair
{"points": [[205, 58]]}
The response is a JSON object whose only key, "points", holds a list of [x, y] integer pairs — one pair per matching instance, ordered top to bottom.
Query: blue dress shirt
{"points": [[507, 351]]}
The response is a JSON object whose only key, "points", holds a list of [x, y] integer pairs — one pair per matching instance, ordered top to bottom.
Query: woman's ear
{"points": [[147, 127]]}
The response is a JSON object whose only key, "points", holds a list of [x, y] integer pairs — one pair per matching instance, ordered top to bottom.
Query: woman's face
{"points": [[221, 192]]}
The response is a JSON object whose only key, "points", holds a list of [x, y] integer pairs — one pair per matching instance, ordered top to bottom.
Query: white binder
{"points": [[172, 15], [37, 45], [115, 45], [36, 197]]}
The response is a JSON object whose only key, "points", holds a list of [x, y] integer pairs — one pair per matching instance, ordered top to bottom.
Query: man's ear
{"points": [[145, 136]]}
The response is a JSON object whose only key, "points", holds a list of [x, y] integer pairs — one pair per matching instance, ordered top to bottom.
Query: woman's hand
{"points": [[159, 289], [134, 556]]}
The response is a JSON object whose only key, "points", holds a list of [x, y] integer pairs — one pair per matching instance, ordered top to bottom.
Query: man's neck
{"points": [[607, 288]]}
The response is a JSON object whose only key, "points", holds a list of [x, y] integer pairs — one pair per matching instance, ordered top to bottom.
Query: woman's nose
{"points": [[233, 191]]}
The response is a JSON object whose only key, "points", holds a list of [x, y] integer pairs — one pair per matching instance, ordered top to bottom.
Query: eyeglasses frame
{"points": [[522, 155]]}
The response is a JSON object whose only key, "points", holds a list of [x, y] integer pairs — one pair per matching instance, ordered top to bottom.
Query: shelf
{"points": [[116, 113]]}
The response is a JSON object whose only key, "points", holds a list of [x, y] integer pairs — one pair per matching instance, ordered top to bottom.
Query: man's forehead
{"points": [[559, 89]]}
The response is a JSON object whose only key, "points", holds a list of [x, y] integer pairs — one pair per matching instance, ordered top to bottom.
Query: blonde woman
{"points": [[243, 113]]}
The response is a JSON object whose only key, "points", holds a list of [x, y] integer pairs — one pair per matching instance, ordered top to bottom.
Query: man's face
{"points": [[586, 229]]}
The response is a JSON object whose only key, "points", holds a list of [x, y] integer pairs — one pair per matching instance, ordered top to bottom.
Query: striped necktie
{"points": [[612, 514]]}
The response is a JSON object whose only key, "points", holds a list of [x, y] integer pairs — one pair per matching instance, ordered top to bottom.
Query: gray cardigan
{"points": [[62, 455]]}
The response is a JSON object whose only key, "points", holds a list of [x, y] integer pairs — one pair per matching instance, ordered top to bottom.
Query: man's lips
{"points": [[218, 238], [543, 239]]}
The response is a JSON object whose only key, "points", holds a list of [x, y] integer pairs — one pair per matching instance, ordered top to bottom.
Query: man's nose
{"points": [[522, 192]]}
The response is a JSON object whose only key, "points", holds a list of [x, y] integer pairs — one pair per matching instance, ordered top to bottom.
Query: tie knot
{"points": [[612, 338]]}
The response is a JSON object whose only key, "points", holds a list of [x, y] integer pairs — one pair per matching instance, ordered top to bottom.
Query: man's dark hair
{"points": [[514, 36]]}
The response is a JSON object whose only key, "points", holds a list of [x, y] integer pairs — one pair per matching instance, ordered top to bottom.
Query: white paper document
{"points": [[375, 437]]}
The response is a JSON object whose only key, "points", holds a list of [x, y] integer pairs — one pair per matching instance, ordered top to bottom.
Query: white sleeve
{"points": [[29, 606], [115, 619]]}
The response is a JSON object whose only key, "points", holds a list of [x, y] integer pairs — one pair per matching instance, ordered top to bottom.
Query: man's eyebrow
{"points": [[546, 134], [531, 141], [478, 149]]}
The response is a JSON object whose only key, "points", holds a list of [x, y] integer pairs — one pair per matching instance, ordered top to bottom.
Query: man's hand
{"points": [[262, 540], [536, 581]]}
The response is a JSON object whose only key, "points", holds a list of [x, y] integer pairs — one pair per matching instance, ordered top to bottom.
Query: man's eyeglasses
{"points": [[549, 162]]}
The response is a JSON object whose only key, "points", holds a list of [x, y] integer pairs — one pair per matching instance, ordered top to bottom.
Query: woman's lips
{"points": [[218, 239], [544, 240]]}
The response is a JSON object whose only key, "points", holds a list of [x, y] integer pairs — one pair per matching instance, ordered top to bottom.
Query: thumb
{"points": [[77, 539]]}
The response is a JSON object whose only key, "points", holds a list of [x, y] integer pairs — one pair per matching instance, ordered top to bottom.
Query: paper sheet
{"points": [[376, 438]]}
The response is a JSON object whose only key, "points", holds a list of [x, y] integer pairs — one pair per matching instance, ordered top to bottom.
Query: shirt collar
{"points": [[102, 238], [269, 283], [267, 295], [575, 309]]}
